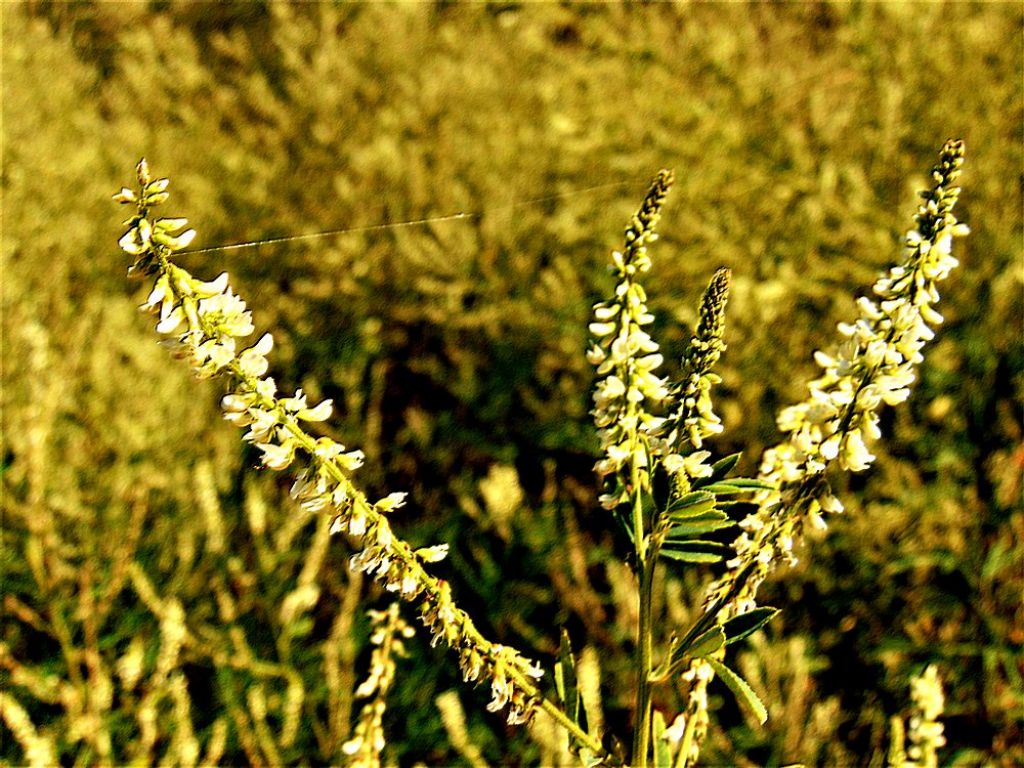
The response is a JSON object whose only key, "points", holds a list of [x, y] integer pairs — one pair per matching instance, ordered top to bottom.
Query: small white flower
{"points": [[214, 287], [170, 322], [252, 361], [295, 403], [321, 412], [262, 427], [277, 456], [391, 501], [831, 504], [433, 554], [534, 670], [501, 692], [674, 733]]}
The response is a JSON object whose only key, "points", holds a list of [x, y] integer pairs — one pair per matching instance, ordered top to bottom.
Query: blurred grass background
{"points": [[799, 134]]}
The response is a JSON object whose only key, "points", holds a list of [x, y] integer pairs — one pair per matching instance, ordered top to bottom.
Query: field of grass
{"points": [[164, 600]]}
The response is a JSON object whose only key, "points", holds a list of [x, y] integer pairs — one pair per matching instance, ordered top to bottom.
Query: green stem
{"points": [[644, 711], [566, 722], [641, 737], [683, 759]]}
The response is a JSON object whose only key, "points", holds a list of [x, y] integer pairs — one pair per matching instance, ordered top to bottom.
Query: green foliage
{"points": [[451, 349]]}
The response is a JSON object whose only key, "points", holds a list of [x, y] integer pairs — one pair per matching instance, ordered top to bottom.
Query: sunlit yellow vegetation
{"points": [[164, 601]]}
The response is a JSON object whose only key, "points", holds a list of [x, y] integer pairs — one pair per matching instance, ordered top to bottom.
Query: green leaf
{"points": [[720, 469], [752, 484], [735, 485], [721, 488], [690, 504], [647, 505], [703, 517], [626, 524], [703, 524], [694, 551], [691, 557], [741, 626], [707, 643], [565, 678], [567, 687], [741, 689], [662, 751]]}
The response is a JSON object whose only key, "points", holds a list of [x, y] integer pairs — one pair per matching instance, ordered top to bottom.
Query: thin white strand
{"points": [[411, 223]]}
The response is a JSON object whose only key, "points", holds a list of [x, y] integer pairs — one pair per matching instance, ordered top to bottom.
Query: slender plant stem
{"points": [[644, 712], [641, 737], [593, 744], [684, 749]]}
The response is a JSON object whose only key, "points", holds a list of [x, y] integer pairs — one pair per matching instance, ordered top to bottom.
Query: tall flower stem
{"points": [[626, 356], [645, 568]]}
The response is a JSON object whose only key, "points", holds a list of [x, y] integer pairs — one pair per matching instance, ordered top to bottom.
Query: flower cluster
{"points": [[204, 320], [626, 356], [873, 365], [693, 416], [637, 444], [696, 719], [926, 732], [367, 742]]}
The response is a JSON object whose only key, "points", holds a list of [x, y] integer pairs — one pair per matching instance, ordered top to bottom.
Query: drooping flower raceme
{"points": [[205, 322]]}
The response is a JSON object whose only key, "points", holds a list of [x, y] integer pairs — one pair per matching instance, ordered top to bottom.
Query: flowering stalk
{"points": [[213, 318], [627, 356], [874, 365], [694, 418], [639, 445], [926, 730], [367, 743]]}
